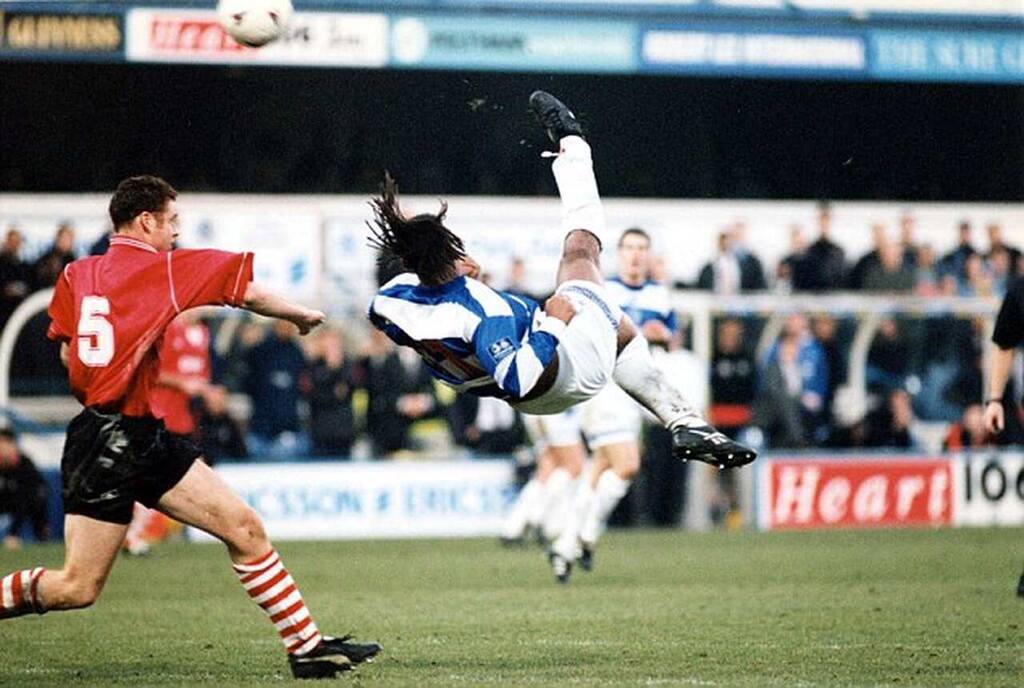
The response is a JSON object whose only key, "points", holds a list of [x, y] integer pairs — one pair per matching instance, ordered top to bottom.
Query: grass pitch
{"points": [[886, 608]]}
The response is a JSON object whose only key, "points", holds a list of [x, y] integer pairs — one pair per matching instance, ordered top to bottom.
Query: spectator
{"points": [[908, 224], [997, 245], [870, 260], [953, 262], [788, 265], [823, 265], [1000, 265], [49, 266], [751, 270], [890, 273], [15, 274], [722, 274], [926, 274], [975, 280], [825, 330], [968, 345], [888, 358], [231, 368], [277, 368], [732, 379], [332, 381], [795, 386], [400, 391], [778, 411], [486, 425], [889, 426], [219, 434], [23, 493]]}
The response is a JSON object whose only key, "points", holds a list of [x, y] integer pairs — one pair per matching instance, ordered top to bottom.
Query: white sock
{"points": [[574, 174], [636, 373], [558, 484], [609, 492], [538, 500], [525, 505], [567, 543]]}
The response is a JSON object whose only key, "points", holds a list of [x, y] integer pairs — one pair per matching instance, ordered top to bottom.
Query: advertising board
{"points": [[61, 35], [313, 39], [877, 492], [337, 500]]}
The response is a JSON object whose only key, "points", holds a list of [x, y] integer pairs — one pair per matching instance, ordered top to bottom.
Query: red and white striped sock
{"points": [[271, 587], [19, 593]]}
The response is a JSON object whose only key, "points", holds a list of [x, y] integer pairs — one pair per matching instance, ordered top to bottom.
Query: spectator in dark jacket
{"points": [[870, 260], [954, 262], [823, 265], [49, 266], [751, 270], [890, 273], [15, 274], [722, 274], [888, 359], [277, 367], [733, 378], [332, 379], [400, 391], [218, 433], [23, 493]]}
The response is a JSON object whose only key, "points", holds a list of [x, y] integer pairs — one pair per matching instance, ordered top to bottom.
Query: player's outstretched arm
{"points": [[259, 299]]}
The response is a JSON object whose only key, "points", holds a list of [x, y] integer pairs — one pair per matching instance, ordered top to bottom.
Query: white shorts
{"points": [[586, 350], [612, 417], [557, 430]]}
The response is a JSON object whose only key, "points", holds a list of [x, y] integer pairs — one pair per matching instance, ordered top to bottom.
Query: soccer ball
{"points": [[254, 22]]}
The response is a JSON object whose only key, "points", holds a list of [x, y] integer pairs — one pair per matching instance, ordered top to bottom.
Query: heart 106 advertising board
{"points": [[820, 492]]}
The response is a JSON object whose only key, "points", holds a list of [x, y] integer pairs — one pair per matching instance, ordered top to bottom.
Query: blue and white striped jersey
{"points": [[649, 301], [473, 338]]}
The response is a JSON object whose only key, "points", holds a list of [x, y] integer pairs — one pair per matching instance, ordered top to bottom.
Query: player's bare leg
{"points": [[583, 218], [568, 463], [203, 500], [91, 547]]}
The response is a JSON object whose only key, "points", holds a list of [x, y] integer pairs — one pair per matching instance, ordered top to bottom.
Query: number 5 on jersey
{"points": [[95, 333]]}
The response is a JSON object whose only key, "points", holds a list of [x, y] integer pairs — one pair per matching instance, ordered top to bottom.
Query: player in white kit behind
{"points": [[612, 420], [542, 506]]}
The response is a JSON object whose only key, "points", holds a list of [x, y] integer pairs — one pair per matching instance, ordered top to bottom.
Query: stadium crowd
{"points": [[351, 391]]}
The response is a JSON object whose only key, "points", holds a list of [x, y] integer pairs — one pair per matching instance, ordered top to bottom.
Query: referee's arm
{"points": [[1008, 335]]}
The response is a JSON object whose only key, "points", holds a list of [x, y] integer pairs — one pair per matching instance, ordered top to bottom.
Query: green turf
{"points": [[891, 608]]}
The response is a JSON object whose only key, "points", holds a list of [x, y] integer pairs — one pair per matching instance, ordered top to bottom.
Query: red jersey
{"points": [[113, 309], [183, 352]]}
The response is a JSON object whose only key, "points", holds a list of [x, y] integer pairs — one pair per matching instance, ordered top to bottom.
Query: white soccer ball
{"points": [[254, 23]]}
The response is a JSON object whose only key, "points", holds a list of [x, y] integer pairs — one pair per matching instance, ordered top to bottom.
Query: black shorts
{"points": [[112, 461]]}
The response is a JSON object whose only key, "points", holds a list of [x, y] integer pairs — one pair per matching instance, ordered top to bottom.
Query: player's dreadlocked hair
{"points": [[423, 244]]}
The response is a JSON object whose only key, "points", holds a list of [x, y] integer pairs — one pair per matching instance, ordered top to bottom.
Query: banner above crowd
{"points": [[910, 40]]}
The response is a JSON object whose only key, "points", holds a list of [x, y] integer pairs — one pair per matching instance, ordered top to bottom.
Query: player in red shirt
{"points": [[109, 312], [184, 372]]}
